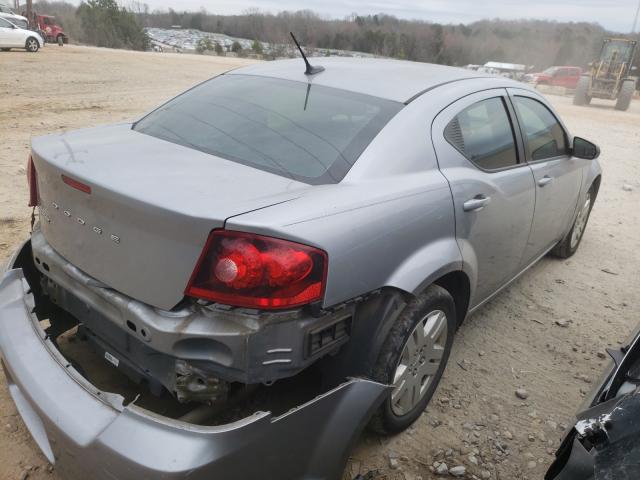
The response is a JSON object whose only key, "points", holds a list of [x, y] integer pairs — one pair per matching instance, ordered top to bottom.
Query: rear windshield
{"points": [[306, 132]]}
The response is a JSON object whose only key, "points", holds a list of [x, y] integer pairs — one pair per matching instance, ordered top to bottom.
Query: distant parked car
{"points": [[17, 20], [12, 36], [558, 77]]}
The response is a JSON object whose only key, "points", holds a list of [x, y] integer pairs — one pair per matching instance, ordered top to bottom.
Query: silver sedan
{"points": [[268, 226]]}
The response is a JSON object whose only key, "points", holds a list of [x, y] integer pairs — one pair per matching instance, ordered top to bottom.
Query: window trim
{"points": [[518, 145], [527, 154]]}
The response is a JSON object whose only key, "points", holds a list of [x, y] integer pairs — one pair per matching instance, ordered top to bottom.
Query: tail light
{"points": [[32, 180], [247, 270]]}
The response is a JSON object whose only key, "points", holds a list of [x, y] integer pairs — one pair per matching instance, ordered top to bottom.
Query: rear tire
{"points": [[32, 45], [581, 95], [625, 95], [569, 245], [413, 358]]}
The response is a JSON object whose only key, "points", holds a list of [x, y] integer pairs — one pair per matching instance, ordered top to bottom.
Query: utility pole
{"points": [[30, 12], [635, 19]]}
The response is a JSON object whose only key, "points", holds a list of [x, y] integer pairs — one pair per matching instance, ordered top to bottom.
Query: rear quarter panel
{"points": [[390, 222], [391, 232]]}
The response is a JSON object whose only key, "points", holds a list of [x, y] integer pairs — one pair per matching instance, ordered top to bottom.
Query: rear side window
{"points": [[4, 23], [307, 132], [483, 133], [543, 135]]}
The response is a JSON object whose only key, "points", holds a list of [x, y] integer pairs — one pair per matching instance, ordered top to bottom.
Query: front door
{"points": [[5, 29], [558, 176], [492, 187]]}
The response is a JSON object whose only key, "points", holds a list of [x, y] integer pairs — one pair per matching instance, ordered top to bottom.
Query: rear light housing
{"points": [[32, 180], [247, 270]]}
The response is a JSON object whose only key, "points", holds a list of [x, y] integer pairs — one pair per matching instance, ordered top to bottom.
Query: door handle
{"points": [[546, 180], [476, 203]]}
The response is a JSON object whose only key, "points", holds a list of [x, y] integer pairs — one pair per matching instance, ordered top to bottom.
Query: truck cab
{"points": [[53, 31]]}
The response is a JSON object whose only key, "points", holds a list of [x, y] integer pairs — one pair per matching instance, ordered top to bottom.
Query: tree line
{"points": [[103, 23], [535, 43]]}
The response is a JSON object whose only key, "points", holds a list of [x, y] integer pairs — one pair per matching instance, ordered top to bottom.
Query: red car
{"points": [[54, 32], [558, 77]]}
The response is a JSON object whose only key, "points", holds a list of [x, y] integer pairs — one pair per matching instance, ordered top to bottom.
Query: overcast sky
{"points": [[616, 15]]}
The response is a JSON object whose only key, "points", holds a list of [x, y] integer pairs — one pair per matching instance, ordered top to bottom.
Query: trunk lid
{"points": [[151, 207]]}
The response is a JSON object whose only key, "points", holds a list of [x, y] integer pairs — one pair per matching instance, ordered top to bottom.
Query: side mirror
{"points": [[634, 68], [585, 149]]}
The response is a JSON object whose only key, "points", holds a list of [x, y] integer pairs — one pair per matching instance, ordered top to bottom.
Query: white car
{"points": [[18, 20], [12, 36]]}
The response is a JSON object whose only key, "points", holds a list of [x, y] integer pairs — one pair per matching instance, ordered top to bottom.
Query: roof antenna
{"points": [[311, 69]]}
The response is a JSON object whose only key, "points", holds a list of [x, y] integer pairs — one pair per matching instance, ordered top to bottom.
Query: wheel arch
{"points": [[595, 185], [455, 281], [458, 285]]}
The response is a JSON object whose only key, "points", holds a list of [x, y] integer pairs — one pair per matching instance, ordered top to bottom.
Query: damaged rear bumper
{"points": [[233, 344], [85, 431]]}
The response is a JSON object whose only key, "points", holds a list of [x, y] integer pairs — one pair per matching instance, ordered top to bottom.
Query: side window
{"points": [[4, 24], [482, 132], [544, 136]]}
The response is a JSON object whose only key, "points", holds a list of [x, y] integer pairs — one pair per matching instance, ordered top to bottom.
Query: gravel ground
{"points": [[545, 334]]}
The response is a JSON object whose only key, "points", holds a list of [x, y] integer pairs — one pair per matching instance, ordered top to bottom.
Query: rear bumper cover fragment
{"points": [[88, 432]]}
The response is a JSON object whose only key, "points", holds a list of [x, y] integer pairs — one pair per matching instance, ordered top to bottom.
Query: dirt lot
{"points": [[475, 419]]}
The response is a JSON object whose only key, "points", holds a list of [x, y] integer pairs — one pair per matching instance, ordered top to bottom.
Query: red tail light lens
{"points": [[32, 180], [76, 184], [247, 270]]}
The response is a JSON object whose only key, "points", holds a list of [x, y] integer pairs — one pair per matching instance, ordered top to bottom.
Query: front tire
{"points": [[60, 40], [32, 45], [625, 94], [581, 95], [569, 245], [413, 358]]}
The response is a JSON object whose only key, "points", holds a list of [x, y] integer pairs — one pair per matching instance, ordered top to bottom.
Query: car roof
{"points": [[396, 80]]}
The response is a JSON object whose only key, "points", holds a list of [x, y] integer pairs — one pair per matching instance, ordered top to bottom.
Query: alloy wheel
{"points": [[581, 222], [419, 363]]}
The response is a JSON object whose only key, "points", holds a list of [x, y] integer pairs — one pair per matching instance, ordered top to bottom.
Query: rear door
{"points": [[557, 174], [493, 189]]}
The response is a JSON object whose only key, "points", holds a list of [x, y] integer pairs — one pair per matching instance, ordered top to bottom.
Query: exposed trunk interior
{"points": [[65, 331]]}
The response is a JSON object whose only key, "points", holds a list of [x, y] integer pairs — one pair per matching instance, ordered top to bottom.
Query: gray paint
{"points": [[383, 77], [159, 198], [395, 205]]}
